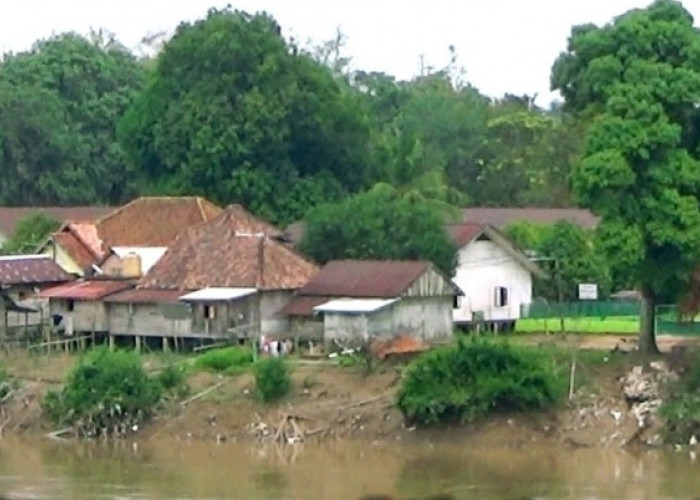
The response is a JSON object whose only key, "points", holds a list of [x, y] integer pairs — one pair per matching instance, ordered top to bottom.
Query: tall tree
{"points": [[638, 78], [59, 104], [234, 112], [379, 224], [29, 233]]}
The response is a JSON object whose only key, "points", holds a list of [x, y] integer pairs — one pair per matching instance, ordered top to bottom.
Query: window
{"points": [[500, 296], [456, 302], [71, 305], [209, 312]]}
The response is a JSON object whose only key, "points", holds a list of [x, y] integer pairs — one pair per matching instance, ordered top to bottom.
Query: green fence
{"points": [[581, 309], [669, 322]]}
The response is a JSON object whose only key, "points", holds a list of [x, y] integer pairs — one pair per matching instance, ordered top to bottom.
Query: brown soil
{"points": [[333, 402]]}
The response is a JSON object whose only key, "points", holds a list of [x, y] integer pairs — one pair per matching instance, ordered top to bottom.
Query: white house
{"points": [[495, 276]]}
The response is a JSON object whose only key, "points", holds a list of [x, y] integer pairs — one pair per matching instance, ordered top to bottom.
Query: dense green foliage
{"points": [[638, 81], [59, 106], [234, 112], [379, 224], [29, 233], [570, 254], [226, 360], [272, 379], [474, 379], [107, 393], [681, 408]]}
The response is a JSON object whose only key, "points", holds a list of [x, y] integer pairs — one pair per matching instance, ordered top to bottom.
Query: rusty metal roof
{"points": [[502, 216], [461, 234], [31, 269], [365, 278], [85, 290], [145, 296], [302, 305]]}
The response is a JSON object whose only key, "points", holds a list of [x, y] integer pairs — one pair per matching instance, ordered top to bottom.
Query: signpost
{"points": [[587, 291]]}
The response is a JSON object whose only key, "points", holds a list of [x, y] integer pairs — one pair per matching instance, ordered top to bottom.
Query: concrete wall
{"points": [[482, 267], [271, 302], [87, 316], [148, 320], [307, 328]]}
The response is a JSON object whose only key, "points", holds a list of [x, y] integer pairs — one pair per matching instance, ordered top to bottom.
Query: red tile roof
{"points": [[9, 216], [503, 216], [153, 221], [461, 234], [76, 248], [229, 251], [31, 269], [365, 278], [84, 290], [143, 295]]}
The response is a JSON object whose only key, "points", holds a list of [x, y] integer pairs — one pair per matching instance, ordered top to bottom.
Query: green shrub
{"points": [[226, 360], [173, 379], [474, 379], [272, 380], [6, 385], [107, 393], [681, 408]]}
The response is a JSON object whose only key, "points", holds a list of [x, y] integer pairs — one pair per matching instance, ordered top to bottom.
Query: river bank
{"points": [[330, 403]]}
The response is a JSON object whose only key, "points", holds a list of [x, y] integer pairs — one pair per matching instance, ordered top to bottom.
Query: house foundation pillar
{"points": [[111, 342], [137, 342], [166, 346]]}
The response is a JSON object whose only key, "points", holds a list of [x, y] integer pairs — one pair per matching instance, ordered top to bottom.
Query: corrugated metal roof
{"points": [[503, 216], [461, 234], [148, 255], [31, 269], [365, 278], [84, 290], [218, 293], [145, 295], [302, 306], [354, 306]]}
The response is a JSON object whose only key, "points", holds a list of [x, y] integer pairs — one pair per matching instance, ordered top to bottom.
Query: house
{"points": [[10, 216], [501, 217], [146, 222], [495, 276], [21, 277], [223, 278], [351, 300], [77, 308]]}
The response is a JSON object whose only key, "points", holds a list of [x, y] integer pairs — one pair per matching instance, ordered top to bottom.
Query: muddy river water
{"points": [[345, 470]]}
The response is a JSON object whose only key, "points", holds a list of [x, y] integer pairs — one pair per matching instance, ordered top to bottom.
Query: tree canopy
{"points": [[638, 80], [59, 105], [234, 112], [379, 224], [29, 233]]}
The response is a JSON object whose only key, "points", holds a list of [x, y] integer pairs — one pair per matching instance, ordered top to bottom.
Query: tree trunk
{"points": [[647, 322]]}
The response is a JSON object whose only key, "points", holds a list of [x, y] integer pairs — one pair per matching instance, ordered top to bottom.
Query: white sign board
{"points": [[588, 291]]}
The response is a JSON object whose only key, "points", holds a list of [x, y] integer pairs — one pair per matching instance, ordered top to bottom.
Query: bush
{"points": [[226, 360], [172, 379], [474, 379], [272, 381], [107, 393], [681, 409]]}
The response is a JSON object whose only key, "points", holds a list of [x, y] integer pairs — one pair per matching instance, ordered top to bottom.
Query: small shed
{"points": [[21, 277], [353, 300], [78, 307]]}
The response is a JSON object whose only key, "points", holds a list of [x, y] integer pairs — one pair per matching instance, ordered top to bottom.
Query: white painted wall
{"points": [[482, 267]]}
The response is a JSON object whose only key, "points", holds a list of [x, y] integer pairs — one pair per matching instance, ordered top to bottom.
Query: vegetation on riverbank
{"points": [[228, 360], [475, 379], [272, 380], [108, 393], [681, 409]]}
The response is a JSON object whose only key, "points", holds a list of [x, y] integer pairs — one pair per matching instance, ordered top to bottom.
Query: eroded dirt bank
{"points": [[331, 402]]}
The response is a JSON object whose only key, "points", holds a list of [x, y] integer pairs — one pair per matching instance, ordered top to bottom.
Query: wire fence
{"points": [[581, 309]]}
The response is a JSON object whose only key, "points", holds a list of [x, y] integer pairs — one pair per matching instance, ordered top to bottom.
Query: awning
{"points": [[216, 294], [354, 306]]}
